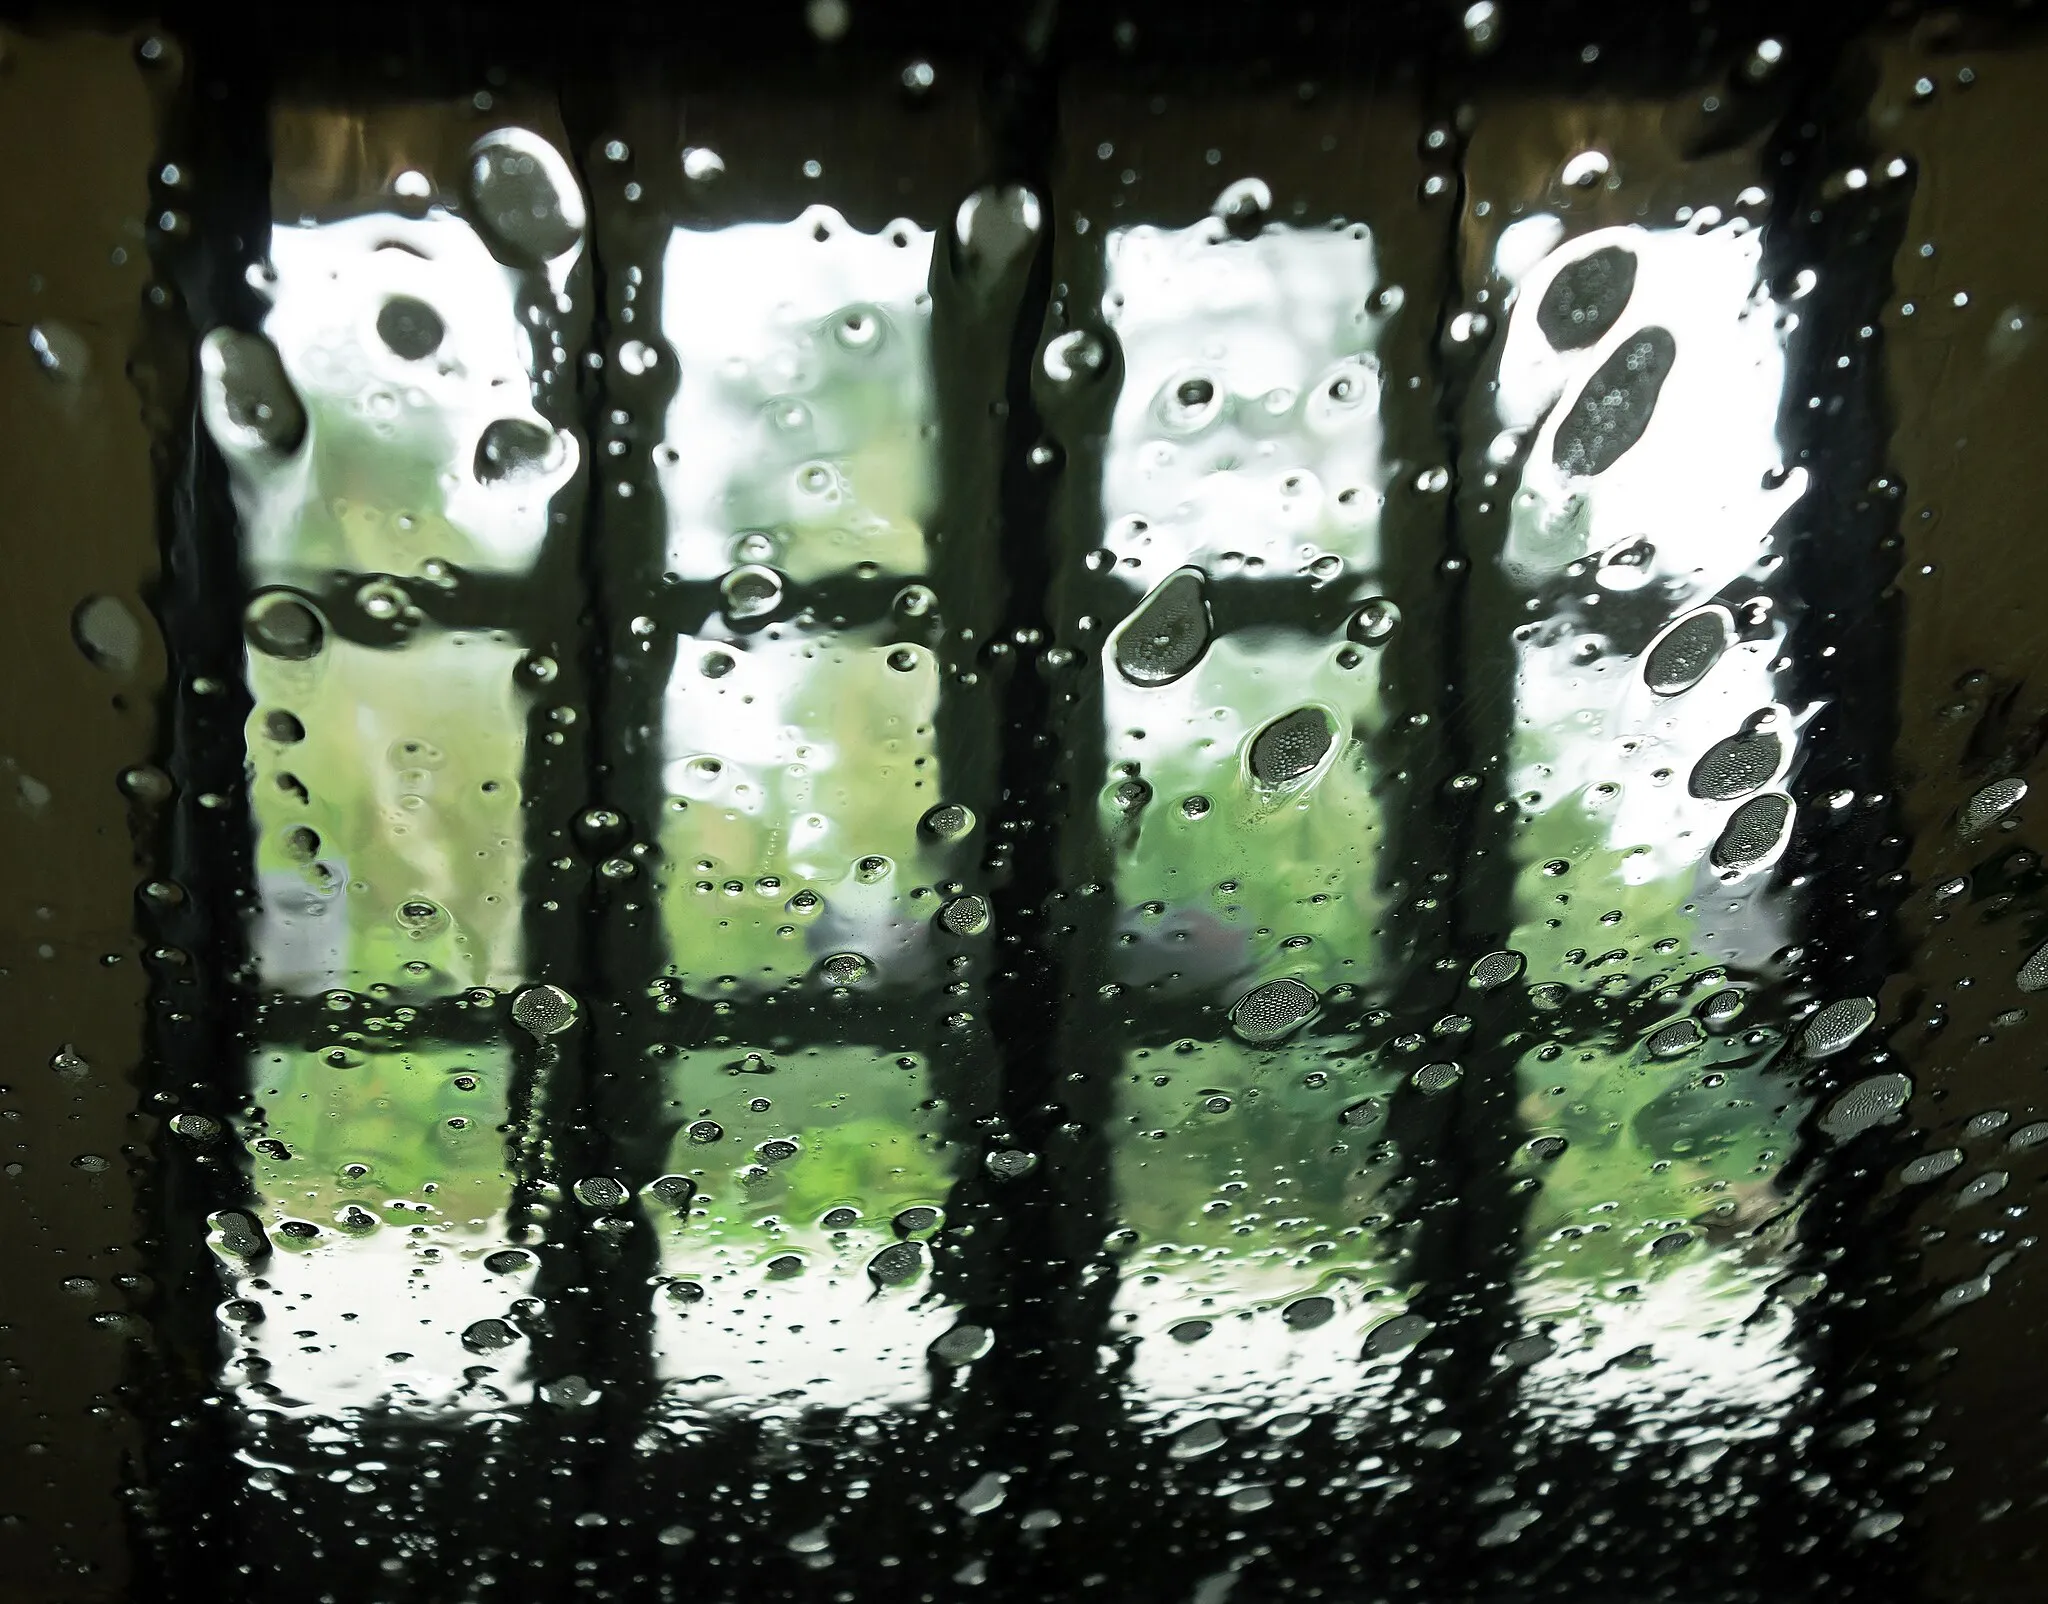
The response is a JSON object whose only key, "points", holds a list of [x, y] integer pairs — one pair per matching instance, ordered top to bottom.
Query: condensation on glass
{"points": [[1640, 386], [385, 448], [1243, 472]]}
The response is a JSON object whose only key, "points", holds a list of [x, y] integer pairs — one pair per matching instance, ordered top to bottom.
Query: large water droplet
{"points": [[527, 199], [1586, 298], [411, 328], [255, 392], [1612, 411], [516, 448], [751, 592], [283, 624], [107, 633], [1167, 634], [1685, 652], [1291, 746], [1735, 766], [1991, 804], [1753, 831], [965, 916], [1494, 970], [543, 1011], [1269, 1012], [1836, 1026], [1869, 1102], [896, 1264]]}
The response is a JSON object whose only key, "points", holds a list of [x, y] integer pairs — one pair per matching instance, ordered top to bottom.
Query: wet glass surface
{"points": [[1174, 806]]}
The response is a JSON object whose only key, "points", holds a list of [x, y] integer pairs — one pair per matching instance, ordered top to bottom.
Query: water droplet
{"points": [[702, 164], [526, 197], [1243, 205], [995, 227], [1586, 297], [410, 327], [1075, 356], [256, 396], [1612, 411], [516, 448], [751, 591], [1374, 621], [283, 624], [107, 633], [1167, 634], [1293, 745], [1736, 765], [1991, 804], [949, 821], [1753, 832], [965, 916], [845, 969], [1494, 970], [2033, 975], [1275, 1010], [543, 1011], [1836, 1026], [1674, 1040], [1433, 1078], [1868, 1103], [1365, 1112], [199, 1128], [1010, 1163], [599, 1192], [239, 1234], [508, 1261], [897, 1264], [1305, 1314], [1186, 1331], [1396, 1335], [488, 1336], [963, 1344], [1191, 1442], [986, 1494]]}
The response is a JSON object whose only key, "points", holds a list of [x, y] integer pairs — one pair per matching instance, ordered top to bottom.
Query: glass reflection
{"points": [[1641, 379], [387, 459], [1244, 461], [810, 841], [804, 1198], [377, 1264]]}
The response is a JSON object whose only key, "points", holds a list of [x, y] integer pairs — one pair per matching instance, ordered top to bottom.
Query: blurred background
{"points": [[1187, 803]]}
